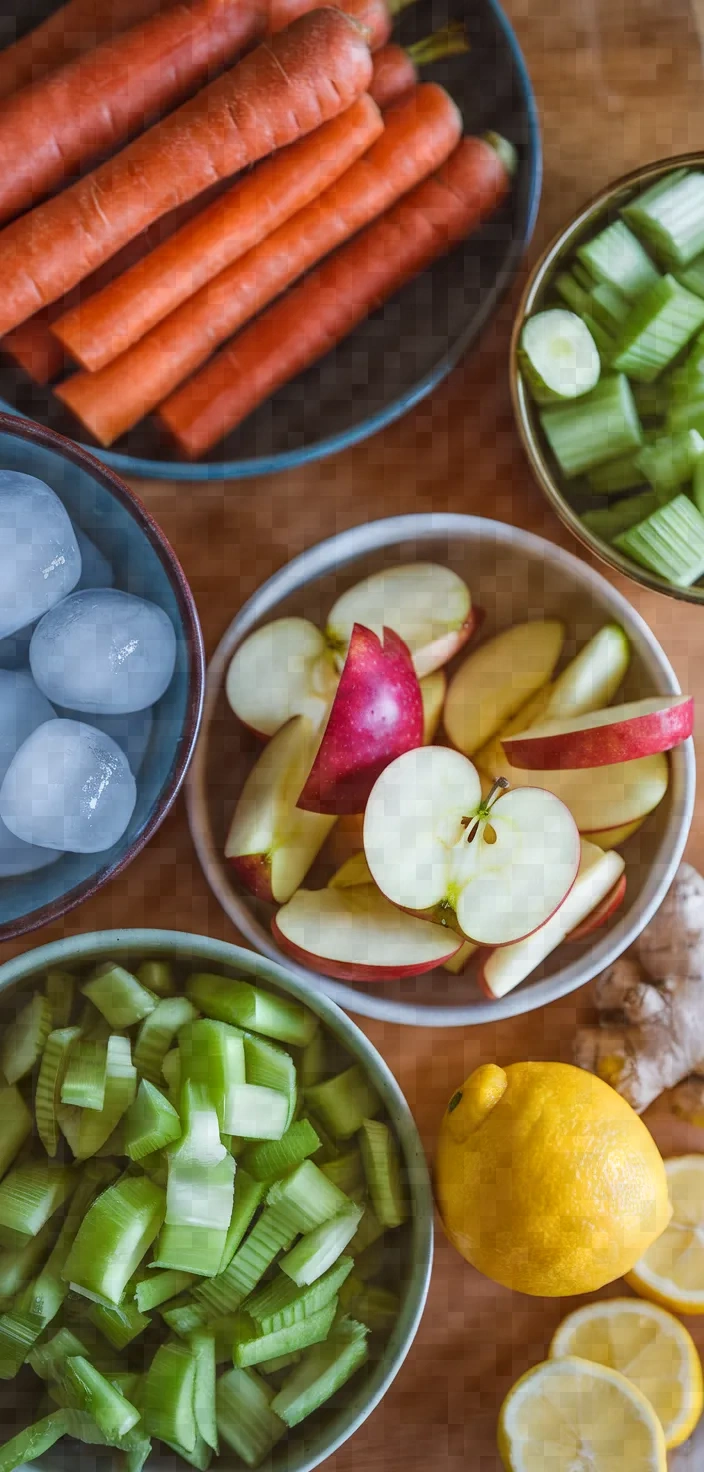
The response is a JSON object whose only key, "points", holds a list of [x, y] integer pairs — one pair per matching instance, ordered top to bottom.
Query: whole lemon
{"points": [[546, 1179]]}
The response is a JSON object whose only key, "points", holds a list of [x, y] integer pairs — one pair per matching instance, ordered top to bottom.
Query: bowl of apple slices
{"points": [[445, 771]]}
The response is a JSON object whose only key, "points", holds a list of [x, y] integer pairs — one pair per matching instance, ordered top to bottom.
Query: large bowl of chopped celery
{"points": [[607, 375], [216, 1220]]}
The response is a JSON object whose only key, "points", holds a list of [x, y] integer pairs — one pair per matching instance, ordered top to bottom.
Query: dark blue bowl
{"points": [[400, 353], [144, 564]]}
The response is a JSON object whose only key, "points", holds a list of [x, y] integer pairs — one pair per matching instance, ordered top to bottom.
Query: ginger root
{"points": [[651, 1005]]}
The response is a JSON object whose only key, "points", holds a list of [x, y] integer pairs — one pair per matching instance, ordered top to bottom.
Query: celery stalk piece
{"points": [[671, 219], [617, 257], [693, 275], [601, 302], [660, 324], [605, 341], [558, 356], [652, 399], [687, 413], [598, 427], [669, 462], [620, 474], [698, 486], [612, 520], [670, 542], [158, 977], [60, 992], [118, 995], [244, 1005], [93, 1025], [157, 1033], [23, 1041], [212, 1055], [55, 1059], [313, 1060], [272, 1068], [171, 1071], [86, 1075], [343, 1102], [257, 1113], [150, 1123], [16, 1125], [87, 1130], [234, 1144], [274, 1157], [156, 1166], [382, 1168], [347, 1172], [200, 1191], [249, 1195], [29, 1196], [307, 1196], [368, 1232], [269, 1236], [113, 1238], [194, 1250], [318, 1250], [371, 1262], [18, 1265], [161, 1286], [44, 1296], [281, 1303], [378, 1308], [185, 1317], [118, 1325], [19, 1331], [203, 1347], [254, 1347], [47, 1360], [278, 1363], [322, 1372], [128, 1382], [91, 1392], [167, 1395], [246, 1421], [33, 1441], [137, 1456], [200, 1457]]}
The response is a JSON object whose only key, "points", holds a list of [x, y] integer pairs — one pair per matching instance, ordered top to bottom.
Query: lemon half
{"points": [[671, 1271], [571, 1415]]}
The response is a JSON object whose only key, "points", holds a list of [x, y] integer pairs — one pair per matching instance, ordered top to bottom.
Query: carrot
{"points": [[376, 16], [73, 29], [396, 69], [278, 92], [51, 132], [418, 136], [109, 323], [304, 325], [33, 347]]}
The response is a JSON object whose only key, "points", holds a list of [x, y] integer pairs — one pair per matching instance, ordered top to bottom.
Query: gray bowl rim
{"points": [[336, 552], [77, 948]]}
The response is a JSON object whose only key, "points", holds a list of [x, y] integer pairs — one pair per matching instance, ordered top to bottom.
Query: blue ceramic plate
{"points": [[400, 353]]}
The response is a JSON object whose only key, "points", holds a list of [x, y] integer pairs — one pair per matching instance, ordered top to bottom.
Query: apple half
{"points": [[427, 605], [282, 670], [496, 679], [377, 714], [601, 738], [272, 843], [502, 863], [356, 934], [507, 966]]}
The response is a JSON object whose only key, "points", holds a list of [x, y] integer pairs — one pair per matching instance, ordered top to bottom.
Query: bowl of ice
{"points": [[101, 675]]}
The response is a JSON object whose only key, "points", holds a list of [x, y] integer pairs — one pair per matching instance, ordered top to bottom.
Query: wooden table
{"points": [[618, 82]]}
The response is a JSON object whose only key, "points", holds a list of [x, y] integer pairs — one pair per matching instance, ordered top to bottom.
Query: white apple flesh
{"points": [[427, 605], [282, 670], [497, 678], [591, 679], [433, 689], [376, 714], [621, 733], [600, 797], [607, 838], [272, 843], [502, 866], [353, 872], [601, 914], [355, 934], [458, 963], [507, 966]]}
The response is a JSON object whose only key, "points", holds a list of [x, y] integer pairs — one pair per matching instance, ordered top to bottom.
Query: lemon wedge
{"points": [[671, 1270], [650, 1347], [572, 1415]]}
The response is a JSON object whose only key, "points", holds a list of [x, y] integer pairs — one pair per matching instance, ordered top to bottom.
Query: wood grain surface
{"points": [[619, 82]]}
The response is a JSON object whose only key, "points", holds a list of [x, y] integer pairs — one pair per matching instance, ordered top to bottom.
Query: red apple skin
{"points": [[436, 655], [376, 715], [624, 741], [254, 872], [601, 912], [347, 971], [482, 982]]}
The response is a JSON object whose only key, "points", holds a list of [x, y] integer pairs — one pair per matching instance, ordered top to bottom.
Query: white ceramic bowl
{"points": [[513, 576]]}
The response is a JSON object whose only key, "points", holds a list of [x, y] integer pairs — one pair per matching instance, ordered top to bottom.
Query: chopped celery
{"points": [[671, 218], [617, 257], [693, 275], [602, 302], [660, 324], [605, 341], [558, 356], [652, 399], [687, 413], [598, 427], [669, 462], [616, 475], [698, 486], [612, 520], [670, 542], [158, 977], [60, 990], [118, 995], [244, 1005], [92, 1023], [157, 1034], [23, 1041], [212, 1055], [55, 1058], [313, 1060], [272, 1068], [171, 1069], [86, 1075], [343, 1102], [257, 1113], [150, 1123], [17, 1125], [87, 1130], [274, 1157], [382, 1167], [346, 1172], [249, 1194], [29, 1196], [199, 1196], [307, 1196], [368, 1232], [113, 1238], [190, 1249], [319, 1249], [18, 1264], [159, 1287], [224, 1293], [45, 1295], [282, 1302], [378, 1308], [184, 1318], [119, 1325], [19, 1331], [256, 1346], [203, 1347], [48, 1359], [278, 1363], [322, 1371], [91, 1392], [167, 1395], [246, 1422], [33, 1441], [137, 1456], [200, 1457]]}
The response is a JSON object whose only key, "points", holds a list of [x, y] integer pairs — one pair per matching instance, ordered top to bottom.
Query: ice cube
{"points": [[39, 558], [96, 570], [14, 650], [104, 652], [22, 709], [132, 733], [68, 787], [17, 857]]}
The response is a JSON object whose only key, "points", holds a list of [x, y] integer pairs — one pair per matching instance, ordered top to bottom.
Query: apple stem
{"points": [[500, 785]]}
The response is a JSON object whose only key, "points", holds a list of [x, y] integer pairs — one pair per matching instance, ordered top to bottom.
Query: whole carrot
{"points": [[376, 16], [74, 28], [396, 67], [283, 89], [51, 132], [418, 136], [331, 301], [98, 330], [33, 347]]}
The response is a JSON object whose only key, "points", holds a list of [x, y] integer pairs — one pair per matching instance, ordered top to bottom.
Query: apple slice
{"points": [[427, 605], [282, 670], [591, 679], [494, 682], [433, 689], [376, 714], [600, 738], [600, 797], [608, 838], [346, 839], [272, 843], [503, 864], [353, 872], [598, 874], [601, 913], [356, 934], [461, 959]]}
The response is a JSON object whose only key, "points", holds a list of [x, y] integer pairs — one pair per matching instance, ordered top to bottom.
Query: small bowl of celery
{"points": [[607, 375], [216, 1222]]}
